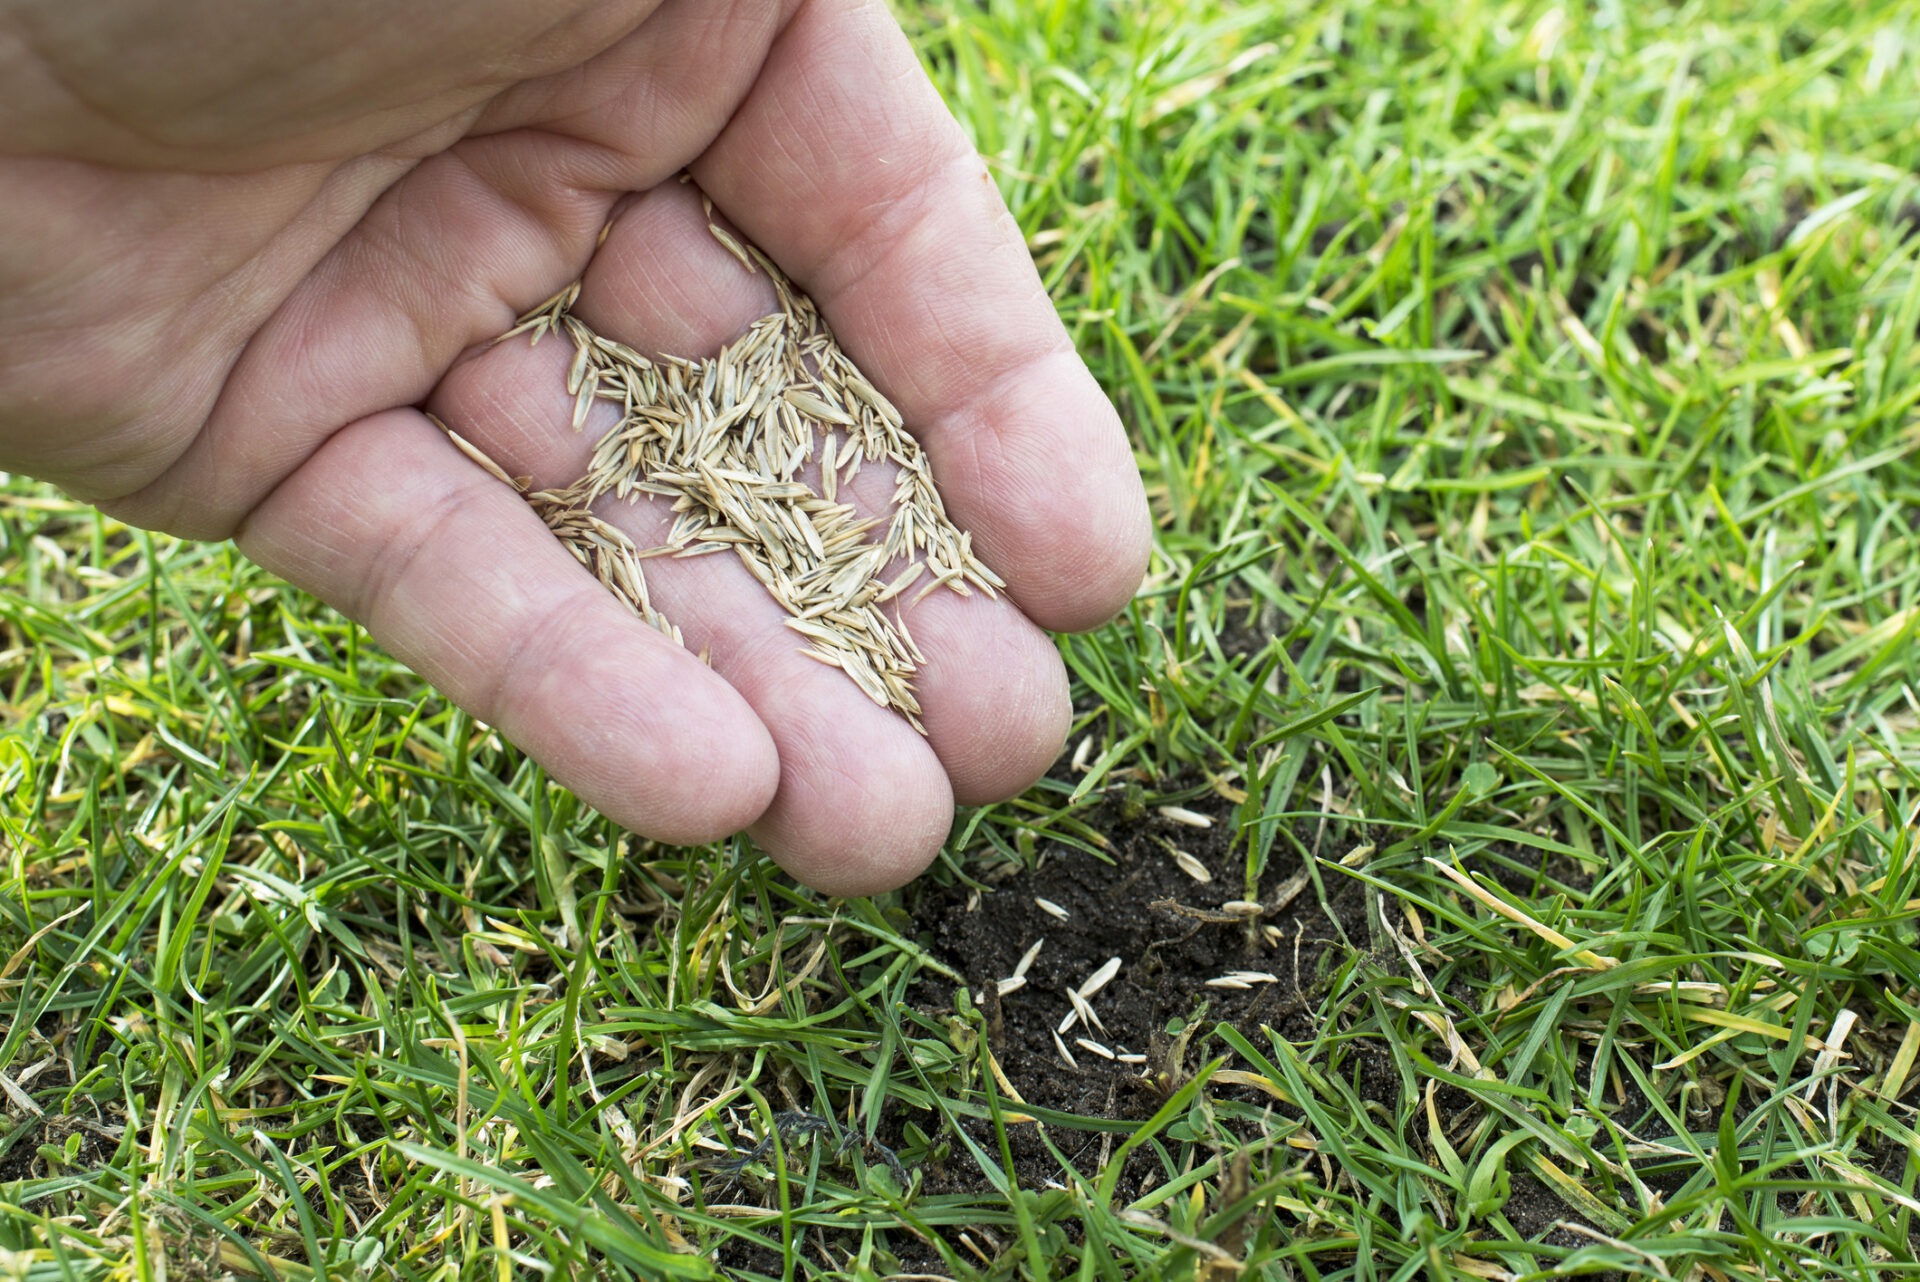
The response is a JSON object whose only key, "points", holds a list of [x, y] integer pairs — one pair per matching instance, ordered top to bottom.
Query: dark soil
{"points": [[1171, 936], [21, 1139]]}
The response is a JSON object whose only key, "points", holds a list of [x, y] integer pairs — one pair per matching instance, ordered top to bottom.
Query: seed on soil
{"points": [[725, 440], [1082, 752], [1184, 817], [1191, 866], [1241, 908], [1051, 909], [1027, 958], [1100, 978], [1243, 979], [1011, 984], [1082, 1010], [1093, 1047], [1065, 1054], [1131, 1059]]}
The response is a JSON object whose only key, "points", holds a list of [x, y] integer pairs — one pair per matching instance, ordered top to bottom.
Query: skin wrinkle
{"points": [[791, 12], [538, 56], [18, 67], [68, 87], [811, 115], [645, 118], [601, 119], [788, 146], [646, 166], [912, 175], [557, 177], [571, 211], [884, 225], [122, 245], [137, 261], [217, 295], [220, 298], [683, 300], [705, 302], [423, 303], [439, 332], [71, 334], [956, 348], [956, 381], [971, 420], [976, 430], [111, 465], [170, 514], [408, 531], [410, 538], [327, 541], [516, 685], [999, 714], [825, 740], [704, 752], [906, 841]]}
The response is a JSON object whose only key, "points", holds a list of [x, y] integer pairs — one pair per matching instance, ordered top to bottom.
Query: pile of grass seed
{"points": [[730, 441]]}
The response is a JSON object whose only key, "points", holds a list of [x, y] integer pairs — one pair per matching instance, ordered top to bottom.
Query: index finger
{"points": [[845, 166]]}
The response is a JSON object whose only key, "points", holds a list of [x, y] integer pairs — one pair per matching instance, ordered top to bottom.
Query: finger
{"points": [[845, 167], [455, 576], [993, 691], [862, 802]]}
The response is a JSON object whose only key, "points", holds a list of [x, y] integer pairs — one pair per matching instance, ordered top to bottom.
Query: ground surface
{"points": [[1527, 398]]}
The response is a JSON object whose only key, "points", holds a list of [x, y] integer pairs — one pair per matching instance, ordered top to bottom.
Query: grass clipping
{"points": [[727, 440]]}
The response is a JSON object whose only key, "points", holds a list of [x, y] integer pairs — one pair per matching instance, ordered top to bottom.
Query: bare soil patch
{"points": [[1172, 934]]}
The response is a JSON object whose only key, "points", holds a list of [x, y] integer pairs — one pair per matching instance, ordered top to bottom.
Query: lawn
{"points": [[1500, 798]]}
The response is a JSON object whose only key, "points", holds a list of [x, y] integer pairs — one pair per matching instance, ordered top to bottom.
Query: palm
{"points": [[246, 353]]}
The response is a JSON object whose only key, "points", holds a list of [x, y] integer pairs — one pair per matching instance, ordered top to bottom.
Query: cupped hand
{"points": [[243, 255]]}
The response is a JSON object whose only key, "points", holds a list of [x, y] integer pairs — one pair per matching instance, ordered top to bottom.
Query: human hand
{"points": [[240, 256]]}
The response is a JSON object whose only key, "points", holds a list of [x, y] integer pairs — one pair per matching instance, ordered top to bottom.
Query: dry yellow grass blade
{"points": [[1585, 956]]}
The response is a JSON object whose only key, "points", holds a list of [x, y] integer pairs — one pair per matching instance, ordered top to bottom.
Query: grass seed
{"points": [[725, 441]]}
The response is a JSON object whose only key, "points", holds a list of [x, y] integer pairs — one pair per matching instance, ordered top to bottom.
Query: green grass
{"points": [[1528, 400]]}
